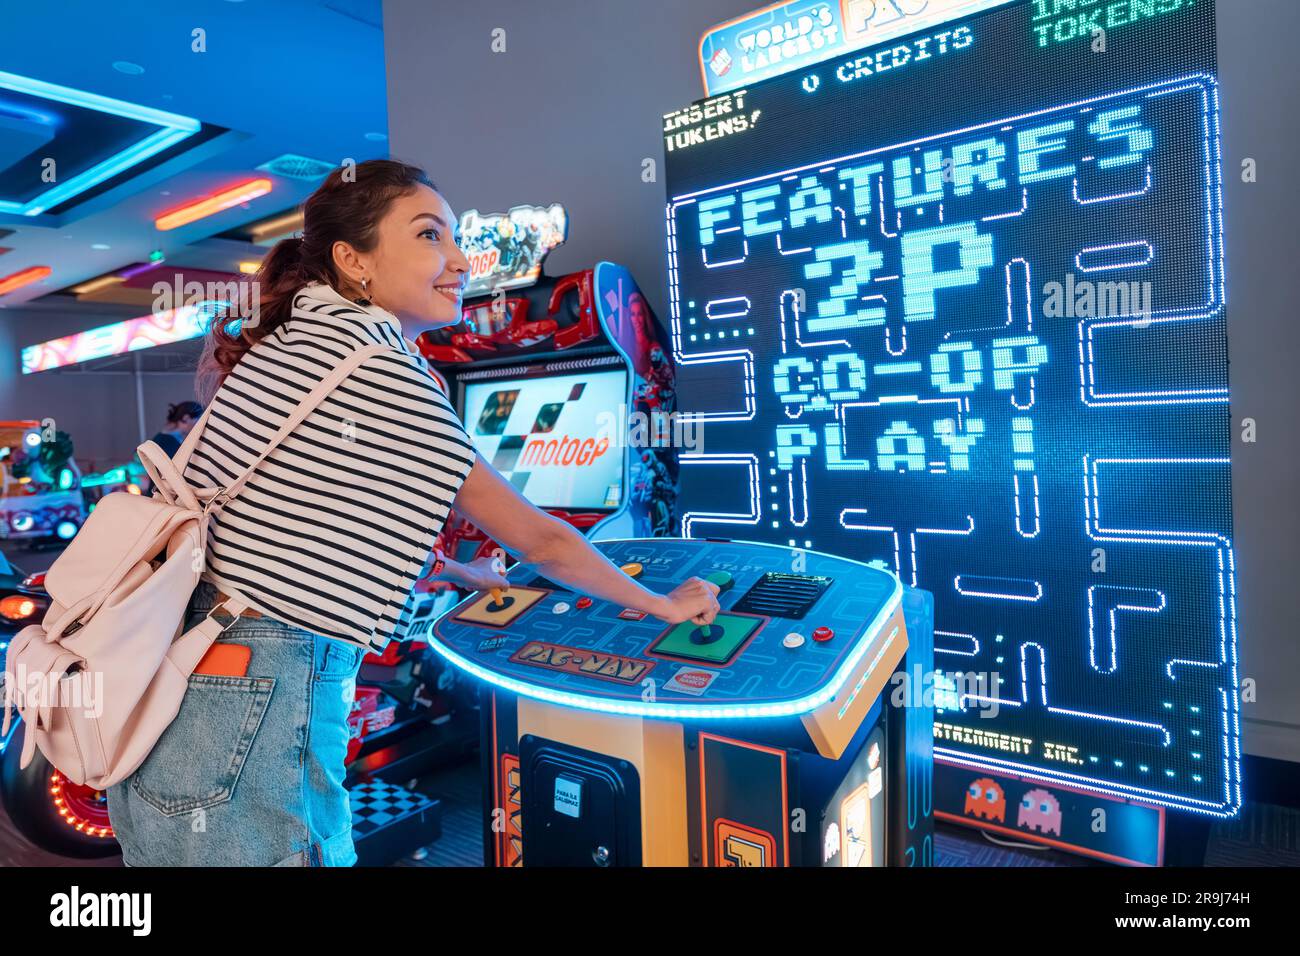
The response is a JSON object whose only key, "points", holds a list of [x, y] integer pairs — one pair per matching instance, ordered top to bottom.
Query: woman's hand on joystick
{"points": [[486, 573], [693, 600]]}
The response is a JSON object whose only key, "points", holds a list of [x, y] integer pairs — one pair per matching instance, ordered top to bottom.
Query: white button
{"points": [[560, 608], [793, 640]]}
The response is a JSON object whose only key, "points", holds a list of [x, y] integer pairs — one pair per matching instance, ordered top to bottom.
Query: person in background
{"points": [[180, 419]]}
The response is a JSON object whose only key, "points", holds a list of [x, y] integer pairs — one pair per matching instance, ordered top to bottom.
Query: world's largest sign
{"points": [[964, 315]]}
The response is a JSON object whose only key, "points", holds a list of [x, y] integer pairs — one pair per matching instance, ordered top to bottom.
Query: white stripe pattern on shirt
{"points": [[332, 530]]}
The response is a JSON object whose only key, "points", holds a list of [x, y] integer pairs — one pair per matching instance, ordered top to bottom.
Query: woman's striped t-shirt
{"points": [[333, 529]]}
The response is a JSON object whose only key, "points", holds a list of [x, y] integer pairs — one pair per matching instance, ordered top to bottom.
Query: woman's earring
{"points": [[365, 294]]}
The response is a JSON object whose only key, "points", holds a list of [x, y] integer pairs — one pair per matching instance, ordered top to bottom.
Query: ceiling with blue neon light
{"points": [[114, 113]]}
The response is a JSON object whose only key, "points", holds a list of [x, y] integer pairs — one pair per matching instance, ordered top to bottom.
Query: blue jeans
{"points": [[250, 773]]}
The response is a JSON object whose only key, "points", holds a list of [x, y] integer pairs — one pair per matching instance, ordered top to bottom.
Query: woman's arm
{"points": [[563, 555]]}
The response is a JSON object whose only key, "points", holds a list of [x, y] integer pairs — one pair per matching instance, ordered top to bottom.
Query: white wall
{"points": [[1257, 76], [566, 114]]}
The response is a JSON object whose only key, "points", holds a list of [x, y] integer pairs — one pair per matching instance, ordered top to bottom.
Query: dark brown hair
{"points": [[347, 207], [183, 410]]}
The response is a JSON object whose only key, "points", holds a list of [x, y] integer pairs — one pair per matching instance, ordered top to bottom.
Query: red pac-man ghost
{"points": [[984, 798], [1040, 811]]}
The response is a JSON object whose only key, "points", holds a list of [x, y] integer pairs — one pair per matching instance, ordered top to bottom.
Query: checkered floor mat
{"points": [[378, 804]]}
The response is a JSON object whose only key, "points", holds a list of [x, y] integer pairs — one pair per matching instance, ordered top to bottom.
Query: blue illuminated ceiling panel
{"points": [[91, 138], [956, 304]]}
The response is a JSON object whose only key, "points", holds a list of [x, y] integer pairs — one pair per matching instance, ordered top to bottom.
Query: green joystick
{"points": [[722, 579], [706, 633]]}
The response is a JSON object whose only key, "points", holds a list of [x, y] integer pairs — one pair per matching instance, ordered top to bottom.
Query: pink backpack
{"points": [[101, 677]]}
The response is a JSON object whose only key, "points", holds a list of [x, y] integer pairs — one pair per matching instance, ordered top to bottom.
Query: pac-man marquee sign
{"points": [[956, 303]]}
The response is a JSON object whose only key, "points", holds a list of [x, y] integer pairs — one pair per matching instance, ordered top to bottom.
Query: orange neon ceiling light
{"points": [[210, 205], [17, 280]]}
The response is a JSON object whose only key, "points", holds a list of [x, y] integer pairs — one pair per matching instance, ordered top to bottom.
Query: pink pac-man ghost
{"points": [[984, 798], [1040, 811]]}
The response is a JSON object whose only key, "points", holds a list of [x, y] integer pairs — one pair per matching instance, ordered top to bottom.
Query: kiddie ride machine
{"points": [[40, 497], [772, 737]]}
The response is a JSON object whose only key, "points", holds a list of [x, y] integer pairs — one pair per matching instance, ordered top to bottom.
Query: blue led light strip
{"points": [[173, 129]]}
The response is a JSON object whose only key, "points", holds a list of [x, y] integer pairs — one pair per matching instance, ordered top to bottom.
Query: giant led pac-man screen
{"points": [[955, 303]]}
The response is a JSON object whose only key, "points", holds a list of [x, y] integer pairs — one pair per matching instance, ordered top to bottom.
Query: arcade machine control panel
{"points": [[784, 640], [602, 725]]}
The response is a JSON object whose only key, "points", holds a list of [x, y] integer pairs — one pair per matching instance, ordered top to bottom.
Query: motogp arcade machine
{"points": [[565, 384]]}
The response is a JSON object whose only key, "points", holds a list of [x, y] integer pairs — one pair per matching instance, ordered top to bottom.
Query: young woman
{"points": [[327, 538]]}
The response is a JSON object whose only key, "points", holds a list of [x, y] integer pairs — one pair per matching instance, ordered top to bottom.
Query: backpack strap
{"points": [[305, 407], [166, 477], [188, 649]]}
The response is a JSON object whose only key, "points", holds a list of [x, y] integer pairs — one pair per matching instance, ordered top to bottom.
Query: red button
{"points": [[583, 602], [823, 634]]}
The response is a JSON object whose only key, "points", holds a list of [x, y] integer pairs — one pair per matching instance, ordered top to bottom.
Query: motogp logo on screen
{"points": [[564, 451]]}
